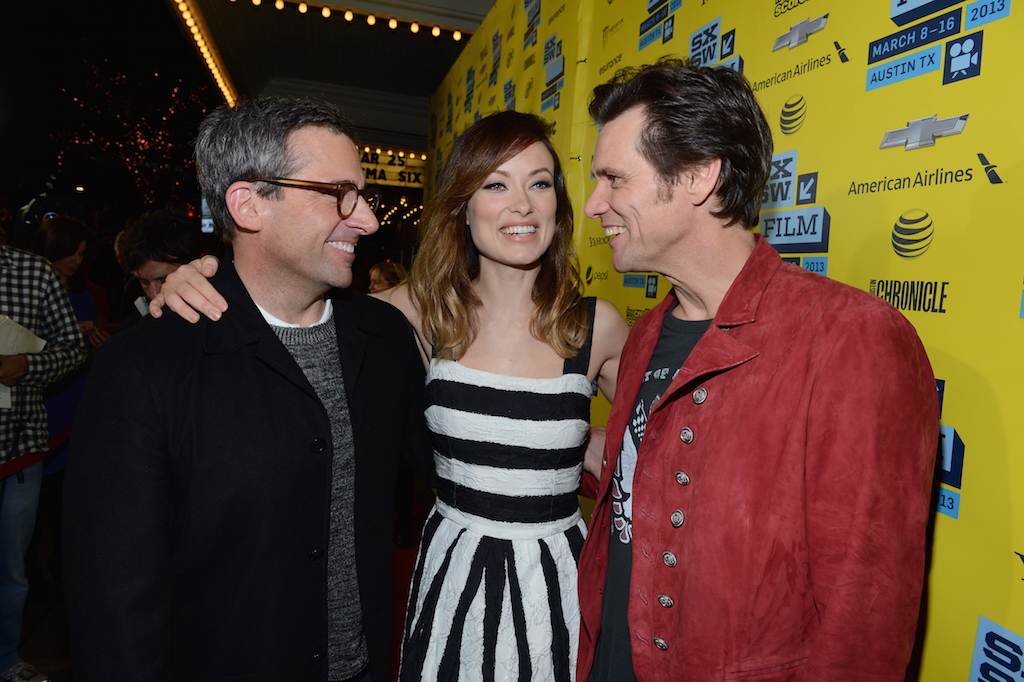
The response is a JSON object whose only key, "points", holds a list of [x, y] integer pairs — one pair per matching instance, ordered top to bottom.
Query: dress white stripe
{"points": [[450, 370], [545, 435], [511, 482]]}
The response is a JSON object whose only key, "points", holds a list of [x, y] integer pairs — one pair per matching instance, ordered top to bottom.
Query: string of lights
{"points": [[326, 11], [192, 19], [392, 152]]}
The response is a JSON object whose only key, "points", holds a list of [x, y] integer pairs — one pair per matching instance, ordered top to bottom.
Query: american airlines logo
{"points": [[797, 34], [922, 132]]}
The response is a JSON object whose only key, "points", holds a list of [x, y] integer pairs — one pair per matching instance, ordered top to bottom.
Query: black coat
{"points": [[198, 493]]}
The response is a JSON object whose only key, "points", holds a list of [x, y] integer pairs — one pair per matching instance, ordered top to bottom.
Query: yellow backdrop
{"points": [[897, 148]]}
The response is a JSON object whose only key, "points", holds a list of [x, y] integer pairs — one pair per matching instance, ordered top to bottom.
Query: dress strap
{"points": [[581, 363]]}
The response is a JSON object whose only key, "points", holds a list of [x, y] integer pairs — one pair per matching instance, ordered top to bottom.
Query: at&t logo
{"points": [[794, 113], [912, 234]]}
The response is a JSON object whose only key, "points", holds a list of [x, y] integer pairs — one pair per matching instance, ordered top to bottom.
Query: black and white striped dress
{"points": [[493, 595]]}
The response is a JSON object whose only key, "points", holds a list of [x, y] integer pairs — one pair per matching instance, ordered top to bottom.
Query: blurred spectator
{"points": [[62, 240], [153, 246], [384, 276], [32, 296]]}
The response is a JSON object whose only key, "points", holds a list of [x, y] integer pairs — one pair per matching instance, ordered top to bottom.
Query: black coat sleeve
{"points": [[118, 526]]}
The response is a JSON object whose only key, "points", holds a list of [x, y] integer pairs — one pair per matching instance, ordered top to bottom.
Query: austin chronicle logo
{"points": [[797, 33], [794, 112], [922, 132], [912, 234]]}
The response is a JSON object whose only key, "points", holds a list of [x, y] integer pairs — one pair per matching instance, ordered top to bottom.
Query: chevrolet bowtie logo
{"points": [[797, 34], [923, 131]]}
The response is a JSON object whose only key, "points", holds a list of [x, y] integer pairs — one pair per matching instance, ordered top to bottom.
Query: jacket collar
{"points": [[744, 296], [244, 325], [719, 350]]}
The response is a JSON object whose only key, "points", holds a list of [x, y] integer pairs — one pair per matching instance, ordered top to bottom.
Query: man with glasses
{"points": [[229, 504]]}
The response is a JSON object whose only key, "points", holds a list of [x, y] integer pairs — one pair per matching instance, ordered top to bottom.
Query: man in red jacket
{"points": [[765, 492]]}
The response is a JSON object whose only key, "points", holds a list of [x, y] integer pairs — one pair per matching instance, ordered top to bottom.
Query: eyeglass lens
{"points": [[350, 197]]}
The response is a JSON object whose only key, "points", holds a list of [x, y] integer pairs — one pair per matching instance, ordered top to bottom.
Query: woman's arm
{"points": [[401, 298], [610, 332]]}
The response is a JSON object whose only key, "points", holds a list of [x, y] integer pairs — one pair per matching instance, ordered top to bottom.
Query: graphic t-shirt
{"points": [[613, 660]]}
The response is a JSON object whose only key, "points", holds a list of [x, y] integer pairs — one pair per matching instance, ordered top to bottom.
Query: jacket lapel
{"points": [[243, 325], [354, 332], [719, 349]]}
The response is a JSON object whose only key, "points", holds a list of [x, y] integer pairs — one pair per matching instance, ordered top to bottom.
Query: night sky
{"points": [[106, 95]]}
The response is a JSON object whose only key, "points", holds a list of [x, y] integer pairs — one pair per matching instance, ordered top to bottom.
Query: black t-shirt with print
{"points": [[613, 660]]}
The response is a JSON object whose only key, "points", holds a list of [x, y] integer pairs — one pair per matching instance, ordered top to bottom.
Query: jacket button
{"points": [[700, 395], [686, 435], [318, 445], [604, 461], [682, 479], [677, 518], [315, 554], [669, 558], [666, 601], [661, 644]]}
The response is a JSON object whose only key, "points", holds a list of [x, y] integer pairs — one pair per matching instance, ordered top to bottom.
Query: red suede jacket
{"points": [[781, 493]]}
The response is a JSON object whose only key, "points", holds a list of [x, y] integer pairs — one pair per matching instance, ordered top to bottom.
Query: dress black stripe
{"points": [[526, 405], [506, 456], [504, 508]]}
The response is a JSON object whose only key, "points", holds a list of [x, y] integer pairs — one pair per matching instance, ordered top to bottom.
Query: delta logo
{"points": [[794, 113], [912, 234]]}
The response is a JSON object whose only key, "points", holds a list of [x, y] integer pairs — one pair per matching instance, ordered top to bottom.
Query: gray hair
{"points": [[250, 140]]}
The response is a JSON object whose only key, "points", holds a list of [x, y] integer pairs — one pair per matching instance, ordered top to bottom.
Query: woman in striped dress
{"points": [[512, 350]]}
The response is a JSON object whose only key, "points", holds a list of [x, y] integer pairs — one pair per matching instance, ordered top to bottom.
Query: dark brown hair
{"points": [[695, 115], [58, 237], [448, 262]]}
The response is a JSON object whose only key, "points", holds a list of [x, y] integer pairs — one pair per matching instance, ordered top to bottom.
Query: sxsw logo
{"points": [[903, 12], [797, 33], [704, 43], [922, 132], [785, 188], [803, 229], [998, 653]]}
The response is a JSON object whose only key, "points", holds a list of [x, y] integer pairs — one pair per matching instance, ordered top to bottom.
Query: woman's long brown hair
{"points": [[448, 261]]}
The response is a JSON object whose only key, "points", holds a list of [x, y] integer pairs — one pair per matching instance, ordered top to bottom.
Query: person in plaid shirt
{"points": [[32, 296]]}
